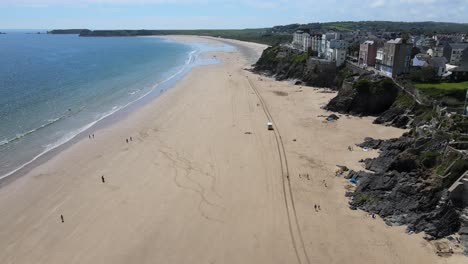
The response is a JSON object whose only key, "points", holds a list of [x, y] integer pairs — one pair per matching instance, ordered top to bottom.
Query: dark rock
{"points": [[285, 63], [364, 97], [332, 117], [370, 143]]}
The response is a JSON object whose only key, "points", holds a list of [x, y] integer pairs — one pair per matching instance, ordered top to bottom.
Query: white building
{"points": [[297, 38], [302, 40], [306, 42], [316, 42], [336, 55], [379, 58]]}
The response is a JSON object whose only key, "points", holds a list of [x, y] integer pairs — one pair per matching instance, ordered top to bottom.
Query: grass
{"points": [[299, 58], [443, 86], [451, 94], [404, 100]]}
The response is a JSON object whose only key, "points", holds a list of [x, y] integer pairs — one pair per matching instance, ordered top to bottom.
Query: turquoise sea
{"points": [[54, 87]]}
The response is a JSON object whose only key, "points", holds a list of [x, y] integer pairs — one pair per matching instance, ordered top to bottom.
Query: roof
{"points": [[395, 41], [459, 45], [422, 56], [438, 61], [463, 68]]}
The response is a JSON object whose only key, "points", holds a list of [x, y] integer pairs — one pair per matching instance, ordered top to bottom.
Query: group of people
{"points": [[91, 136], [131, 139], [306, 175], [324, 183], [317, 207]]}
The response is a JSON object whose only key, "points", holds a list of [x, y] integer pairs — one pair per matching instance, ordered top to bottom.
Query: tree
{"points": [[423, 75]]}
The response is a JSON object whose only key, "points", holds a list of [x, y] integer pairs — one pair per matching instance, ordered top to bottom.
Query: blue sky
{"points": [[193, 14]]}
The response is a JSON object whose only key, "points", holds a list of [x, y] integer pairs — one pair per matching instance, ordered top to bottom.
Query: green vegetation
{"points": [[428, 27], [280, 34], [260, 35], [300, 58], [423, 75], [443, 85], [364, 86], [451, 94], [404, 100], [429, 158], [457, 169], [362, 197]]}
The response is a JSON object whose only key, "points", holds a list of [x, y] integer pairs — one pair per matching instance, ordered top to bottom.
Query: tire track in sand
{"points": [[294, 228]]}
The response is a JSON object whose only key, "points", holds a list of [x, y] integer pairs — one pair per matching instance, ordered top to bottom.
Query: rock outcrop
{"points": [[285, 63], [364, 97], [403, 188]]}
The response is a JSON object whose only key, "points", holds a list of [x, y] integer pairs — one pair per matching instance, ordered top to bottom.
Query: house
{"points": [[297, 38], [306, 42], [316, 42], [429, 42], [325, 45], [437, 51], [368, 52], [455, 52], [337, 55], [396, 57], [379, 58], [421, 60], [439, 64]]}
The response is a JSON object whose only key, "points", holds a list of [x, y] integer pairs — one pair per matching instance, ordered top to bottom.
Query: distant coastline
{"points": [[283, 33]]}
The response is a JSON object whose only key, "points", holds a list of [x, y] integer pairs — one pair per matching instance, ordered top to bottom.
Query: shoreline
{"points": [[112, 117], [201, 182]]}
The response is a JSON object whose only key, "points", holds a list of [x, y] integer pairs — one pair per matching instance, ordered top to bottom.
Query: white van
{"points": [[270, 125]]}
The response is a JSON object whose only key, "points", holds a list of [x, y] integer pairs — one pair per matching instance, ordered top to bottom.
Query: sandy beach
{"points": [[204, 181]]}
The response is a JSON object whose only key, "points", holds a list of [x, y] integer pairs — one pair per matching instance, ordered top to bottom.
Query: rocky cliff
{"points": [[285, 63], [364, 97], [408, 183]]}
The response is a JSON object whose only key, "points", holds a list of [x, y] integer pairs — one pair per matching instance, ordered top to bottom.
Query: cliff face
{"points": [[284, 63], [364, 97], [408, 183], [405, 186]]}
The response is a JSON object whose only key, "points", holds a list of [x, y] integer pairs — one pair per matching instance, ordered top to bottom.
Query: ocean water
{"points": [[54, 87]]}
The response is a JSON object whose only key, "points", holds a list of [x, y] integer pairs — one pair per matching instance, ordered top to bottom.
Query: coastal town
{"points": [[390, 53], [253, 132]]}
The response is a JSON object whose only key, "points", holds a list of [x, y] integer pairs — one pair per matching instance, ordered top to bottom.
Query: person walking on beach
{"points": [[89, 136], [93, 136], [131, 139], [126, 140], [103, 180], [315, 207], [61, 217]]}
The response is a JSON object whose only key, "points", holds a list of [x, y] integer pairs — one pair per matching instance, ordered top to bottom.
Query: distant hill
{"points": [[380, 26], [65, 31], [279, 34], [261, 35]]}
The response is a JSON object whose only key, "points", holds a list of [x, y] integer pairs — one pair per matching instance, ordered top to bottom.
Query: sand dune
{"points": [[204, 181]]}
